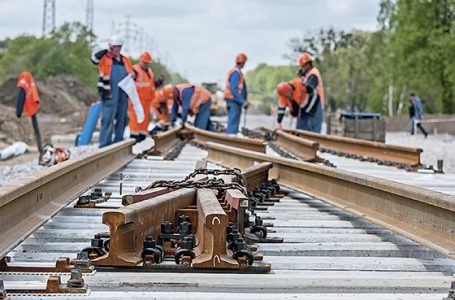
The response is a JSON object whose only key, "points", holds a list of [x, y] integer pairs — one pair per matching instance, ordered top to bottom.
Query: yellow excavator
{"points": [[218, 107]]}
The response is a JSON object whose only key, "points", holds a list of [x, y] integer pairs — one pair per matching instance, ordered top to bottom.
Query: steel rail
{"points": [[204, 136], [163, 142], [304, 148], [381, 151], [30, 202], [424, 216], [212, 223], [130, 225]]}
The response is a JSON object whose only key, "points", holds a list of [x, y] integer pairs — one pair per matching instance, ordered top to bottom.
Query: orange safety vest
{"points": [[105, 67], [145, 82], [145, 86], [320, 87], [227, 88], [200, 96], [299, 96], [31, 105], [161, 106]]}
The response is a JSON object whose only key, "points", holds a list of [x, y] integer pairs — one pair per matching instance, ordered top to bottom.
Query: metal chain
{"points": [[234, 172], [212, 183]]}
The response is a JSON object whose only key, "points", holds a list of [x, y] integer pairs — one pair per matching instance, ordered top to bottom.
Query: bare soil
{"points": [[64, 105]]}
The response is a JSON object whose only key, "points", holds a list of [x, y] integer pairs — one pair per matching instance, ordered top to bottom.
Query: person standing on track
{"points": [[113, 67], [145, 86], [235, 94], [292, 94], [193, 100], [311, 111], [416, 113]]}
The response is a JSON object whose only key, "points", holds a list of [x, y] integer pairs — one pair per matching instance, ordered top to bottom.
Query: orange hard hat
{"points": [[146, 57], [241, 58], [305, 58], [283, 89], [168, 91]]}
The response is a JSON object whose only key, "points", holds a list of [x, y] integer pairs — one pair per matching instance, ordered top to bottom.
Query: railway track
{"points": [[331, 247]]}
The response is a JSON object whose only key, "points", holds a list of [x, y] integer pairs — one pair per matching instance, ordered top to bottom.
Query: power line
{"points": [[48, 16]]}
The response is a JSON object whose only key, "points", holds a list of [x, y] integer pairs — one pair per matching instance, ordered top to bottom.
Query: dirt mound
{"points": [[62, 95], [64, 105], [13, 129]]}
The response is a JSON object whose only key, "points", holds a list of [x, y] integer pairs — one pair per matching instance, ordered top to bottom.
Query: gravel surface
{"points": [[439, 146], [9, 173]]}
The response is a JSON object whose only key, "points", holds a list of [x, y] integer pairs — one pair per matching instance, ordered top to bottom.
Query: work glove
{"points": [[159, 81]]}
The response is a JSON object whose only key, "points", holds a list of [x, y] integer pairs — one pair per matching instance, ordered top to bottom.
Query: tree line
{"points": [[66, 51], [375, 71]]}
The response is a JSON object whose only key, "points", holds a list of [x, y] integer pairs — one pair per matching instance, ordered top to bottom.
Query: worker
{"points": [[113, 67], [312, 80], [145, 86], [235, 94], [293, 95], [193, 100], [28, 102], [160, 106], [416, 113]]}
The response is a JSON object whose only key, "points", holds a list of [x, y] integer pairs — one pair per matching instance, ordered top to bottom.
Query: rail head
{"points": [[204, 136], [164, 141], [304, 148], [395, 153], [29, 203], [422, 215]]}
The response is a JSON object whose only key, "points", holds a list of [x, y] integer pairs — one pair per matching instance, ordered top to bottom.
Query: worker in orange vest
{"points": [[113, 67], [312, 80], [145, 86], [235, 94], [292, 95], [193, 100], [28, 102], [160, 106]]}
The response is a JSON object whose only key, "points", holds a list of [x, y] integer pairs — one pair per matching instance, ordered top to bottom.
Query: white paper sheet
{"points": [[129, 87]]}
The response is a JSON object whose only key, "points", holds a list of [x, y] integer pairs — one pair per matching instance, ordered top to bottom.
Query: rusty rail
{"points": [[204, 136], [164, 141], [303, 148], [375, 150], [32, 201], [424, 216], [212, 223], [130, 225]]}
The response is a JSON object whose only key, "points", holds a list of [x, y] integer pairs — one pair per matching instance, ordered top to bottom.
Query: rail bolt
{"points": [[275, 184], [83, 200], [184, 218], [167, 227], [230, 227], [185, 228], [260, 231], [96, 249], [151, 249], [241, 250], [181, 253], [81, 260], [76, 280], [2, 290], [451, 295]]}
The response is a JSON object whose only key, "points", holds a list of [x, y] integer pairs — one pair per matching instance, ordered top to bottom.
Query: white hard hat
{"points": [[116, 41]]}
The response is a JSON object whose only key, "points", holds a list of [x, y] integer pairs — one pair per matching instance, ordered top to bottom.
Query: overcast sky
{"points": [[200, 38]]}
